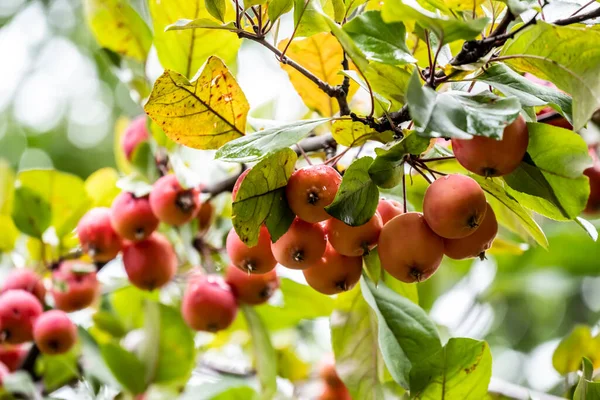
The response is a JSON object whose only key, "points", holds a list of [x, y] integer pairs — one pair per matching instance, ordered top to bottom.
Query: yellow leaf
{"points": [[118, 27], [186, 50], [322, 55], [203, 114], [354, 133], [120, 158], [7, 183], [101, 187], [8, 233], [502, 246], [570, 350]]}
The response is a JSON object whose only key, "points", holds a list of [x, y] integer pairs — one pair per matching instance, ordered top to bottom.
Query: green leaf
{"points": [[216, 8], [276, 8], [307, 17], [200, 23], [118, 27], [446, 28], [379, 41], [351, 49], [186, 51], [572, 63], [389, 81], [529, 93], [203, 114], [459, 114], [355, 133], [258, 145], [388, 167], [550, 181], [7, 187], [101, 187], [496, 188], [65, 193], [261, 198], [356, 200], [31, 213], [8, 233], [372, 265], [128, 305], [406, 334], [354, 341], [168, 347], [572, 348], [264, 353], [125, 366], [96, 368], [58, 370], [461, 370], [587, 389]]}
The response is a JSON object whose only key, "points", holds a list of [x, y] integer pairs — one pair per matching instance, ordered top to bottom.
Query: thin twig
{"points": [[583, 7], [578, 18], [297, 24], [425, 160], [421, 172], [404, 188]]}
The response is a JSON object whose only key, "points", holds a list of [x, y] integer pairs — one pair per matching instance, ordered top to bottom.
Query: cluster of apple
{"points": [[456, 221], [23, 320]]}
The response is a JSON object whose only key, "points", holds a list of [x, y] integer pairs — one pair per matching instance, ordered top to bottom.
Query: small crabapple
{"points": [[135, 134], [490, 157], [593, 174], [238, 183], [310, 190], [173, 204], [454, 206], [389, 209], [132, 217], [97, 236], [354, 241], [476, 244], [301, 246], [408, 249], [257, 259], [150, 263], [334, 272], [27, 280], [75, 285], [251, 288], [208, 304], [18, 311], [54, 333], [13, 355]]}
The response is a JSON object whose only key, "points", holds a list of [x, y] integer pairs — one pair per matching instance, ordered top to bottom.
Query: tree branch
{"points": [[578, 18], [311, 144]]}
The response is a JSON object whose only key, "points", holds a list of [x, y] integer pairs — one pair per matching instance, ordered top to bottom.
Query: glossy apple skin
{"points": [[135, 134], [490, 157], [310, 190], [171, 203], [454, 206], [388, 209], [132, 217], [97, 236], [354, 241], [478, 243], [301, 246], [408, 249], [257, 259], [151, 263], [334, 273], [25, 279], [72, 289], [251, 289], [208, 304], [18, 311], [54, 332]]}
